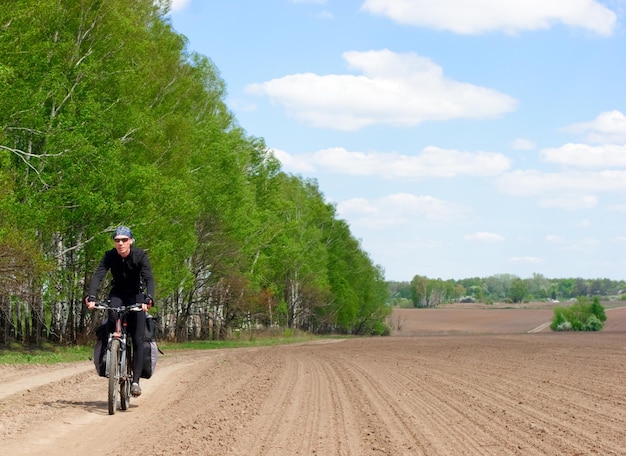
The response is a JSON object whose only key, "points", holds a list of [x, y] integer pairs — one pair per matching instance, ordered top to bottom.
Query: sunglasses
{"points": [[122, 240]]}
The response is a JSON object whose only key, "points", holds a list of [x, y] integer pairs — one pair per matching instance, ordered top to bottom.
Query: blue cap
{"points": [[123, 231]]}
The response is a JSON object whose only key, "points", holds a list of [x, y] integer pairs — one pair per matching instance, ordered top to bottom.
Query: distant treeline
{"points": [[105, 119], [425, 292]]}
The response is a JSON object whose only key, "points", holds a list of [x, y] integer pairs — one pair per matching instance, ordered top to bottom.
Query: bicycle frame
{"points": [[122, 336]]}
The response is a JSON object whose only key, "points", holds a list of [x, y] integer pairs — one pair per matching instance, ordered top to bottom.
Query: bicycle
{"points": [[119, 365]]}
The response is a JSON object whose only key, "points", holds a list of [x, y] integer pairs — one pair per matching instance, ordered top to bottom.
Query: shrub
{"points": [[598, 310], [581, 316], [558, 320], [593, 323], [564, 326], [379, 328]]}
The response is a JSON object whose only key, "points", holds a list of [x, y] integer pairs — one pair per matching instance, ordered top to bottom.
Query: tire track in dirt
{"points": [[17, 378], [462, 390], [211, 402], [544, 408], [420, 412], [307, 413], [424, 414], [65, 417], [523, 417], [489, 419], [388, 429]]}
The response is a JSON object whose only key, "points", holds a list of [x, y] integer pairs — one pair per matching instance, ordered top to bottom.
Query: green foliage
{"points": [[107, 119], [518, 291], [427, 292], [597, 310], [282, 313], [580, 316], [559, 319], [593, 323], [564, 326], [380, 328]]}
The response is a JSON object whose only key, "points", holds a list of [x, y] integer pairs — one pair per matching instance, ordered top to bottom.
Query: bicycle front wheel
{"points": [[114, 375], [127, 377]]}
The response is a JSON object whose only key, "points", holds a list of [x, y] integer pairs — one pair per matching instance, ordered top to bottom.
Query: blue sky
{"points": [[458, 138]]}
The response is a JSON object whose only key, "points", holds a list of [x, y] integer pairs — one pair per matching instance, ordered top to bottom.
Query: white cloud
{"points": [[178, 5], [480, 16], [395, 89], [242, 106], [608, 128], [522, 144], [586, 156], [432, 162], [293, 163], [533, 183], [571, 190], [358, 206], [398, 209], [483, 236], [554, 239]]}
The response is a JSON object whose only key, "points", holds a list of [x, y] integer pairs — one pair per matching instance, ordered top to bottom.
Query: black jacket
{"points": [[128, 273]]}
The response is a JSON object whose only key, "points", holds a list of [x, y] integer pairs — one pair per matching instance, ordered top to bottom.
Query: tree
{"points": [[106, 118], [518, 291]]}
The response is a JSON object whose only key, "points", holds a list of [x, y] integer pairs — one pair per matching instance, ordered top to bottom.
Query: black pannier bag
{"points": [[150, 348], [100, 350]]}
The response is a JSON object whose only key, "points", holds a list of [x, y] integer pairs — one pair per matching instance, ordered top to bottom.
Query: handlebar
{"points": [[106, 306]]}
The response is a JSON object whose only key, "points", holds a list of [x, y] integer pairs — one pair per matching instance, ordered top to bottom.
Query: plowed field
{"points": [[448, 382]]}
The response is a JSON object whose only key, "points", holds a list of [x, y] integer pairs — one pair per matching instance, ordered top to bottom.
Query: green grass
{"points": [[235, 343], [46, 354], [50, 354]]}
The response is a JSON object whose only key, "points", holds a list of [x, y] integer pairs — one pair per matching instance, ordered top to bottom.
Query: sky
{"points": [[458, 138]]}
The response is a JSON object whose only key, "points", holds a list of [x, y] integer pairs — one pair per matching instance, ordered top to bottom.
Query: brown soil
{"points": [[449, 382]]}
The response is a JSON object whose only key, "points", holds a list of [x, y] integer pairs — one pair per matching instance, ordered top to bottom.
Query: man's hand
{"points": [[91, 302], [147, 303]]}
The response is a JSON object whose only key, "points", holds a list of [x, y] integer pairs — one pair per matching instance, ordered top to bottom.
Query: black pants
{"points": [[136, 328]]}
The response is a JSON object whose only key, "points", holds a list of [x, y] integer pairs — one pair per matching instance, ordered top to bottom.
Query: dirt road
{"points": [[469, 393]]}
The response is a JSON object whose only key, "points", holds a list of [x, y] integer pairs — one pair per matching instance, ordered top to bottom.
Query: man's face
{"points": [[122, 245]]}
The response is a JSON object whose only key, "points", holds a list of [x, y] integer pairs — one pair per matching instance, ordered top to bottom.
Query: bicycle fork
{"points": [[122, 358]]}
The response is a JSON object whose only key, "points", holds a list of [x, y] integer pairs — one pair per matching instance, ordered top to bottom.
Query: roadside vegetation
{"points": [[107, 118], [580, 316], [49, 353]]}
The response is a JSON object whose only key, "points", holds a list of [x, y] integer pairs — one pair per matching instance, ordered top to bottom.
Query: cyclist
{"points": [[130, 268]]}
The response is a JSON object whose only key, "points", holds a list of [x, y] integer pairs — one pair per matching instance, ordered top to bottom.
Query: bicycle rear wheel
{"points": [[114, 375]]}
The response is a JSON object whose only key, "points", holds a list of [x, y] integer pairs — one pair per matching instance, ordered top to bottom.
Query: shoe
{"points": [[135, 390]]}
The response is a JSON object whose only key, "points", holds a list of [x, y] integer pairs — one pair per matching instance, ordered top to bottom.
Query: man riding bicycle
{"points": [[130, 268]]}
